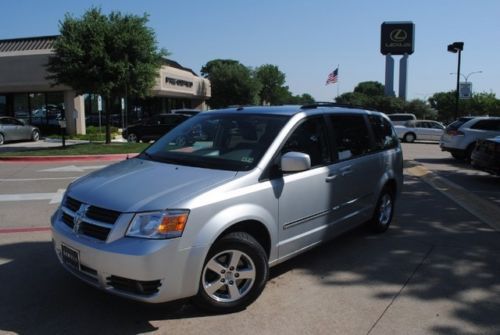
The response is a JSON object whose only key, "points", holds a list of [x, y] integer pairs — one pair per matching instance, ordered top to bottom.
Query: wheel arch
{"points": [[254, 228]]}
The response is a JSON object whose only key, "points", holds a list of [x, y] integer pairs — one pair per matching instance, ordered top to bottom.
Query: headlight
{"points": [[158, 225]]}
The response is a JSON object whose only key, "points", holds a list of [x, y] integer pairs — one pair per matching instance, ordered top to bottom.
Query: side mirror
{"points": [[295, 161]]}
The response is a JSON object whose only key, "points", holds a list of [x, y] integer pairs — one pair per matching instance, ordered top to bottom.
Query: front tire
{"points": [[2, 139], [382, 217], [234, 274]]}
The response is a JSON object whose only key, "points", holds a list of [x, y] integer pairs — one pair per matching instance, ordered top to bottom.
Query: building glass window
{"points": [[3, 105], [21, 106], [38, 111]]}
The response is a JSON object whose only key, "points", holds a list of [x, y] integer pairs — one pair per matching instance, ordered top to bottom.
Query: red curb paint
{"points": [[83, 158], [23, 230]]}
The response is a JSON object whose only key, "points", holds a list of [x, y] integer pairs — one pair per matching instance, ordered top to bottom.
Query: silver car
{"points": [[12, 129], [422, 130], [209, 207]]}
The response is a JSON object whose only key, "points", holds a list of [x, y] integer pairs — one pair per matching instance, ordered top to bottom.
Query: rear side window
{"points": [[458, 123], [487, 125], [351, 136], [385, 138]]}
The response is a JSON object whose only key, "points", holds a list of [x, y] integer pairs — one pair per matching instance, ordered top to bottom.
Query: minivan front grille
{"points": [[72, 204], [101, 214], [95, 222], [139, 287]]}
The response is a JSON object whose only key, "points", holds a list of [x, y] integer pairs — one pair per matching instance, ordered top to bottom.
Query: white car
{"points": [[424, 130], [460, 137]]}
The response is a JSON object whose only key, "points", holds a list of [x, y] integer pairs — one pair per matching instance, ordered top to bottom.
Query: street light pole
{"points": [[457, 47], [466, 77]]}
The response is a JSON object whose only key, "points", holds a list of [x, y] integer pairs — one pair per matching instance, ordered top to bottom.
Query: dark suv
{"points": [[153, 128]]}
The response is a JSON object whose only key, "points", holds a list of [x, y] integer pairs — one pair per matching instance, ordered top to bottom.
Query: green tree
{"points": [[106, 55], [208, 68], [272, 82], [232, 83], [370, 88], [444, 103], [421, 109]]}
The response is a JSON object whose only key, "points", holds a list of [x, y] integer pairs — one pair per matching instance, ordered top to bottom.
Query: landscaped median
{"points": [[86, 151]]}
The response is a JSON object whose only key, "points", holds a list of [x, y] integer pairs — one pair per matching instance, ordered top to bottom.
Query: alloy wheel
{"points": [[228, 276]]}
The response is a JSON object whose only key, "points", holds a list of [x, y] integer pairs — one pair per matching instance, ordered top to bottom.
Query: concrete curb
{"points": [[70, 158], [482, 209]]}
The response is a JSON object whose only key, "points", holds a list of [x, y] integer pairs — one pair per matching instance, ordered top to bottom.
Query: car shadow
{"points": [[434, 252]]}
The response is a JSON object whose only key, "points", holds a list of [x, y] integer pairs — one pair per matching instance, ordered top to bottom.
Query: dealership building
{"points": [[25, 93]]}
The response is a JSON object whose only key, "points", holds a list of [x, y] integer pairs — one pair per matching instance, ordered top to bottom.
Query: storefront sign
{"points": [[397, 38], [178, 82]]}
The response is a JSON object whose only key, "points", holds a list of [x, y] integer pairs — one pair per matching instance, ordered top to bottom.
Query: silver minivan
{"points": [[209, 207]]}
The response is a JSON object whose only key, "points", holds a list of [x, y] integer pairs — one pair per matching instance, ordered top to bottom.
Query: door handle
{"points": [[345, 171], [330, 178]]}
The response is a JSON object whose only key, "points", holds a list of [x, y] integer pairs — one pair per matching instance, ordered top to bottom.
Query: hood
{"points": [[140, 185]]}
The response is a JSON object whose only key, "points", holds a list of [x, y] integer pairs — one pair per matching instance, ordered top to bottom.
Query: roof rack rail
{"points": [[333, 104]]}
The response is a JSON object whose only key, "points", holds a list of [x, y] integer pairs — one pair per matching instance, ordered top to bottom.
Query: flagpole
{"points": [[338, 84]]}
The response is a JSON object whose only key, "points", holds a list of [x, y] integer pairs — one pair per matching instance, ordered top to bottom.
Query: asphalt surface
{"points": [[436, 271]]}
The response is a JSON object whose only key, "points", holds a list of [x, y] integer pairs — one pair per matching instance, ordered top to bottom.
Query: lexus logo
{"points": [[398, 35], [79, 216]]}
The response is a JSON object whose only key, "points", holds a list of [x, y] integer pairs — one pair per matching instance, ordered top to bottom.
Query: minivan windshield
{"points": [[226, 141]]}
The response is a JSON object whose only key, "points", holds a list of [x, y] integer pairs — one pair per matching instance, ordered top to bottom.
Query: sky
{"points": [[306, 39]]}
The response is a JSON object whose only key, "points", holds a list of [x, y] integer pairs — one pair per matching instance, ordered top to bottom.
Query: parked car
{"points": [[47, 115], [399, 119], [153, 128], [12, 129], [425, 130], [460, 137], [486, 155], [205, 214]]}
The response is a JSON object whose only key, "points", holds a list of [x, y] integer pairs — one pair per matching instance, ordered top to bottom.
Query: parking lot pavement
{"points": [[479, 183], [437, 270]]}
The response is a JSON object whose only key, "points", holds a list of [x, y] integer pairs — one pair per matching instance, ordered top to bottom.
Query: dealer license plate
{"points": [[70, 256]]}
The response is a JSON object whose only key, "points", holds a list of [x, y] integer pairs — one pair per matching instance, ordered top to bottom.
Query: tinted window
{"points": [[458, 123], [487, 125], [351, 135], [310, 138], [385, 138]]}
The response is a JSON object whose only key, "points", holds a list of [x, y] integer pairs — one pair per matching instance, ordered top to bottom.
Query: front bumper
{"points": [[141, 269]]}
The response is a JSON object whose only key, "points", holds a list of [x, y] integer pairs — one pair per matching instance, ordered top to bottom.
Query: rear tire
{"points": [[410, 137], [132, 138], [2, 139], [468, 152], [458, 155], [382, 217], [234, 274]]}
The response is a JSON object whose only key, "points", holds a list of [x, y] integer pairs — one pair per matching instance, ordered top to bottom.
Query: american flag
{"points": [[332, 77]]}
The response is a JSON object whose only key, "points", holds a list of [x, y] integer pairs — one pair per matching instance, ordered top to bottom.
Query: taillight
{"points": [[454, 132]]}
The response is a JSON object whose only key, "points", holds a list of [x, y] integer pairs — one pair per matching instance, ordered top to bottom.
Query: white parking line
{"points": [[73, 168], [37, 179], [54, 198]]}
